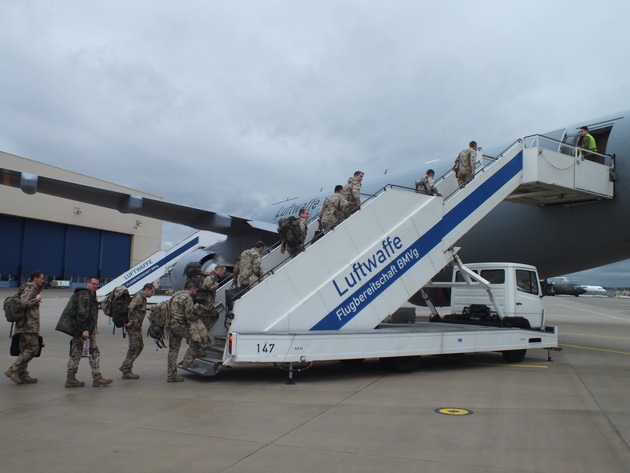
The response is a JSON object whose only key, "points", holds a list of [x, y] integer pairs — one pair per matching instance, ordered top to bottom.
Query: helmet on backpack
{"points": [[192, 268], [155, 332]]}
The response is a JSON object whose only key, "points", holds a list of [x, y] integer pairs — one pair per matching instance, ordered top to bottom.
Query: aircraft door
{"points": [[528, 303]]}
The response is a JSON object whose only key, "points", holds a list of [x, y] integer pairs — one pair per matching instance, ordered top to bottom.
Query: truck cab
{"points": [[515, 288]]}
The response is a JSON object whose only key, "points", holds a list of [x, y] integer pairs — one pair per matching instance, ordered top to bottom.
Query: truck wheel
{"points": [[514, 356], [401, 364]]}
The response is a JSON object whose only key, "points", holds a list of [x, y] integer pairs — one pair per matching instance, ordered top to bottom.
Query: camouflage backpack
{"points": [[289, 231], [116, 306], [14, 311], [158, 319]]}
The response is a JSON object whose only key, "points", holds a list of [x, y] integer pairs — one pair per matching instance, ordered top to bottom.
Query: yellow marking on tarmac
{"points": [[594, 312], [598, 349], [453, 411]]}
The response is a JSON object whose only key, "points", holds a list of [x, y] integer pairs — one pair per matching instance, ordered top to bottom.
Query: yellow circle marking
{"points": [[453, 411]]}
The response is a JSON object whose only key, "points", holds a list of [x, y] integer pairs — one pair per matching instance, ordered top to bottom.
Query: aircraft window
{"points": [[493, 276], [460, 278], [526, 281]]}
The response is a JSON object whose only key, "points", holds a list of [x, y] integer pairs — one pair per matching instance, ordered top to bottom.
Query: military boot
{"points": [[130, 375], [13, 376], [26, 379], [175, 379], [100, 381], [73, 382]]}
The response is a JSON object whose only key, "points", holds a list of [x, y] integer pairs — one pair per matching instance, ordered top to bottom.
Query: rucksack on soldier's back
{"points": [[289, 230], [116, 306], [14, 311], [159, 314], [158, 319]]}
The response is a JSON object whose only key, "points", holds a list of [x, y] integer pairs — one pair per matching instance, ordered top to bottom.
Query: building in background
{"points": [[68, 241]]}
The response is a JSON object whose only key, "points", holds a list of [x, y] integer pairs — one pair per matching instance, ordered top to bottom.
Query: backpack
{"points": [[456, 165], [423, 187], [289, 231], [116, 306], [14, 311], [159, 314], [158, 319]]}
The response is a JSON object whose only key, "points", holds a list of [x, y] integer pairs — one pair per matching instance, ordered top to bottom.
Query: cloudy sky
{"points": [[231, 105]]}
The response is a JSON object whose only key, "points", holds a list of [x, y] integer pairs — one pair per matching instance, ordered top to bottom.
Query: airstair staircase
{"points": [[152, 268], [364, 269]]}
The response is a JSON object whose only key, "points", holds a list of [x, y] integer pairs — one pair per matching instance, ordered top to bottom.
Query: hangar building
{"points": [[68, 240]]}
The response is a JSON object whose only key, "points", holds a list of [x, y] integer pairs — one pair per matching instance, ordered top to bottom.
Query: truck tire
{"points": [[514, 356], [401, 364]]}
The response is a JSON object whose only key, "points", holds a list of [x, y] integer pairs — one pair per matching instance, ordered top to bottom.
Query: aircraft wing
{"points": [[134, 204]]}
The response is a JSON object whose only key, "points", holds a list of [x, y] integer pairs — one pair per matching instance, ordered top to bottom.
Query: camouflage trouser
{"points": [[463, 176], [295, 250], [207, 314], [210, 319], [174, 343], [136, 344], [29, 346], [76, 351]]}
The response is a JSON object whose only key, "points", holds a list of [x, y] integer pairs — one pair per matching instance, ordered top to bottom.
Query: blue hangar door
{"points": [[60, 251]]}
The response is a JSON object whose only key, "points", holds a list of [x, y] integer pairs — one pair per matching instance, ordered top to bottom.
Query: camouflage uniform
{"points": [[466, 160], [426, 186], [352, 195], [332, 211], [294, 250], [250, 269], [208, 285], [204, 299], [137, 311], [85, 318], [182, 319], [28, 331]]}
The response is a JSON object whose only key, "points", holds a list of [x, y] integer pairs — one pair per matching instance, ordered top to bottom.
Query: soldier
{"points": [[465, 164], [426, 185], [352, 193], [333, 209], [299, 230], [250, 270], [211, 284], [206, 292], [137, 311], [181, 313], [81, 314], [27, 330]]}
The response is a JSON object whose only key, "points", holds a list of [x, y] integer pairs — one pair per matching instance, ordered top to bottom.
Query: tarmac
{"points": [[472, 413]]}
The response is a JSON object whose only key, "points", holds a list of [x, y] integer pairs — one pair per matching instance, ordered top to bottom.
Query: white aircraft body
{"points": [[558, 239], [594, 290]]}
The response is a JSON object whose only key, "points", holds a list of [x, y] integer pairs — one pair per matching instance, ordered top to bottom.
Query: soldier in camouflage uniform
{"points": [[465, 163], [352, 193], [333, 209], [294, 248], [250, 270], [210, 284], [203, 299], [82, 308], [137, 311], [182, 317], [27, 330]]}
